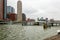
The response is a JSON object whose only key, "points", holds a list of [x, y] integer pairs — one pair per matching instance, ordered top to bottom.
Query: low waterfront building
{"points": [[12, 16], [30, 21], [41, 21]]}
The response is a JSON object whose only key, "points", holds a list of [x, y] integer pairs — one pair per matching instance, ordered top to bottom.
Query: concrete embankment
{"points": [[56, 37]]}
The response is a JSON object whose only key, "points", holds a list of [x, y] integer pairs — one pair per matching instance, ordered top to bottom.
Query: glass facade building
{"points": [[5, 9], [10, 9]]}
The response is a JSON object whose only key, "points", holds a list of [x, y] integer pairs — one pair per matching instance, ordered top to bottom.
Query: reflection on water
{"points": [[19, 32]]}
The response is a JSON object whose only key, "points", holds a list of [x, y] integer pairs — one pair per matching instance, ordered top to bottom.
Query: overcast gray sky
{"points": [[39, 8]]}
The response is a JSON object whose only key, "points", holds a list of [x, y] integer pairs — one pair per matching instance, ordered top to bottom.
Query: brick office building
{"points": [[3, 10]]}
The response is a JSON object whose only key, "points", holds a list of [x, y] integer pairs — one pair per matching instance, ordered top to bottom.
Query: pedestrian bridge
{"points": [[56, 23]]}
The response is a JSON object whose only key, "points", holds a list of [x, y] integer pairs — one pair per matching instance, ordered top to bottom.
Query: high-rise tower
{"points": [[3, 10], [19, 11]]}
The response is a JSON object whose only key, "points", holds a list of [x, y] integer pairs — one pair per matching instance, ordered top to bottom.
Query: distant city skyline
{"points": [[39, 8]]}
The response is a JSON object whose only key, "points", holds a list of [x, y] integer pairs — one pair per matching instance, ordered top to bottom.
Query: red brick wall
{"points": [[12, 16]]}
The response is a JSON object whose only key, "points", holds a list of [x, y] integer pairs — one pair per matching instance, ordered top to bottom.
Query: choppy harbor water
{"points": [[19, 32]]}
